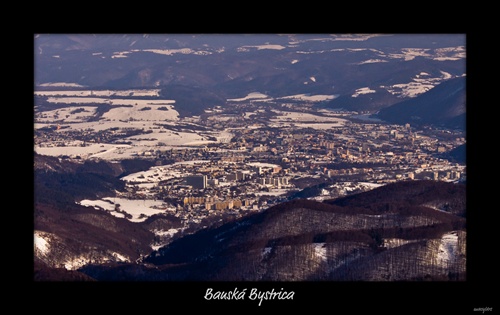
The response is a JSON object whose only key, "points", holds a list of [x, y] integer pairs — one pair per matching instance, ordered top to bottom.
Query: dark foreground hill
{"points": [[444, 196], [402, 232], [68, 235], [43, 272]]}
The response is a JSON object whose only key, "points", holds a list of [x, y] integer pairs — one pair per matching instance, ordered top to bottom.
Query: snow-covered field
{"points": [[259, 47], [169, 52], [410, 53], [450, 53], [406, 54], [439, 54], [372, 61], [61, 84], [420, 84], [410, 89], [363, 90], [100, 93], [250, 96], [257, 96], [310, 98], [112, 101], [137, 109], [143, 113], [67, 115], [151, 116], [297, 118], [170, 138], [159, 139], [89, 151], [265, 165], [156, 174], [153, 175], [344, 188], [272, 192], [140, 209]]}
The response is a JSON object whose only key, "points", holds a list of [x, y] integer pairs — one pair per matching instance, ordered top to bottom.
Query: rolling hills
{"points": [[365, 71], [443, 105], [367, 237]]}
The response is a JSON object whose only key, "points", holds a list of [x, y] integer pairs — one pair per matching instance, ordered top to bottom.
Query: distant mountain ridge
{"points": [[366, 72], [443, 105]]}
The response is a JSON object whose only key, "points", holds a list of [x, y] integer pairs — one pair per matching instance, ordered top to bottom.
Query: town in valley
{"points": [[242, 157]]}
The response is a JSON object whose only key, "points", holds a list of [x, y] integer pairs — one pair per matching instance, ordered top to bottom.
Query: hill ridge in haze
{"points": [[443, 105]]}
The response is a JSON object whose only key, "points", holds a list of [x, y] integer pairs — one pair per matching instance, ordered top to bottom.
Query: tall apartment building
{"points": [[197, 181]]}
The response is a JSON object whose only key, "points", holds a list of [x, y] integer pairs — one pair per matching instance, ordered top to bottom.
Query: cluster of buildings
{"points": [[263, 163], [221, 185], [213, 203]]}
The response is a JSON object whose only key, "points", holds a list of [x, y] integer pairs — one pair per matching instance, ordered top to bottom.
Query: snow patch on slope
{"points": [[364, 90], [41, 243], [447, 248], [320, 250]]}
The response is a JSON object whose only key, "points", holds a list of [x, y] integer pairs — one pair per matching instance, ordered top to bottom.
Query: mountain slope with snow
{"points": [[367, 72], [443, 105], [305, 240]]}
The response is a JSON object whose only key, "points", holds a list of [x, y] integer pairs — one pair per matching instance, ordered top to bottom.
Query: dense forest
{"points": [[79, 233], [392, 239]]}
